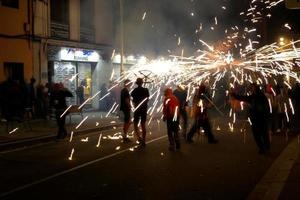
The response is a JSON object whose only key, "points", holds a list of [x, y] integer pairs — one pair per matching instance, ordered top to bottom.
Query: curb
{"points": [[22, 143]]}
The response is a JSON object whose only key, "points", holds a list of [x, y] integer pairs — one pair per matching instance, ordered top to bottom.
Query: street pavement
{"points": [[36, 131], [231, 169]]}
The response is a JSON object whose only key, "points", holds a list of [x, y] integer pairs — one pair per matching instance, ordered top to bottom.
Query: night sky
{"points": [[167, 20]]}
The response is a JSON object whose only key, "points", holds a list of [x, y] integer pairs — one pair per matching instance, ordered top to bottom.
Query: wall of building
{"points": [[74, 19], [104, 22], [14, 45]]}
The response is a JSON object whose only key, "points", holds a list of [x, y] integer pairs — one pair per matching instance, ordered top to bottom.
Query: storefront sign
{"points": [[72, 54]]}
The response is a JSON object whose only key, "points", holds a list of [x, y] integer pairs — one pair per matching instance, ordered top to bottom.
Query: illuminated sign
{"points": [[79, 55]]}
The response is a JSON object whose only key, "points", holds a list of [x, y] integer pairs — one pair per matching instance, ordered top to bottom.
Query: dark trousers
{"points": [[61, 121], [205, 124], [172, 129], [260, 134]]}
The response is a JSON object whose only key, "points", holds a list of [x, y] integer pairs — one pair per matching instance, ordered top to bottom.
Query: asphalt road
{"points": [[227, 170]]}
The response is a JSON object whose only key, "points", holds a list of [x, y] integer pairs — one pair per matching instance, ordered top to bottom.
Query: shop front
{"points": [[77, 70]]}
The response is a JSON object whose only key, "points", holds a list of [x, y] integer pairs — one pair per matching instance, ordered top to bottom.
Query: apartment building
{"points": [[67, 41]]}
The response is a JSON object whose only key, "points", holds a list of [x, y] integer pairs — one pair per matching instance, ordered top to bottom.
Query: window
{"points": [[10, 3], [60, 11], [87, 13], [14, 71]]}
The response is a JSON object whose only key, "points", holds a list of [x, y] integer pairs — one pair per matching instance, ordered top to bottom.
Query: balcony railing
{"points": [[59, 31], [87, 35]]}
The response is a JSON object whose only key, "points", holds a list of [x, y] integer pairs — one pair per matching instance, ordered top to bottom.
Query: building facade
{"points": [[67, 41], [16, 46]]}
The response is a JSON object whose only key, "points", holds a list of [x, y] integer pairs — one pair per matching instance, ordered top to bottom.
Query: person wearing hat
{"points": [[140, 97], [125, 107]]}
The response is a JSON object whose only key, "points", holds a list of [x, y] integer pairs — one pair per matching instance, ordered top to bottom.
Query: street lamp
{"points": [[121, 36], [281, 41]]}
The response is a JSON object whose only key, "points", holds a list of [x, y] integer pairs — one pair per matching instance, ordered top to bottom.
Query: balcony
{"points": [[59, 31], [87, 35]]}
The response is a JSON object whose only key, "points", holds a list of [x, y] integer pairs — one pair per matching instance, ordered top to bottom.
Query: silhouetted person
{"points": [[80, 93], [181, 94], [32, 97], [140, 97], [12, 100], [58, 100], [40, 101], [125, 107], [200, 111], [259, 112], [171, 116]]}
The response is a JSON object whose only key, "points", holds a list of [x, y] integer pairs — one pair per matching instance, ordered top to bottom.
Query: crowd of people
{"points": [[18, 97], [21, 101], [272, 109]]}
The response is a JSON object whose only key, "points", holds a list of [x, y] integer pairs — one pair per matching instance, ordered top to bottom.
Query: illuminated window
{"points": [[10, 3]]}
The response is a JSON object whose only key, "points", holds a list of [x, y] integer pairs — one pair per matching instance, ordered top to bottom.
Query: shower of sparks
{"points": [[144, 16], [287, 26], [113, 54], [214, 63], [112, 75], [73, 77], [104, 96], [83, 103], [270, 105], [137, 107], [110, 110], [65, 111], [286, 113], [175, 114], [234, 118], [249, 120], [81, 122], [231, 128], [13, 130], [71, 137], [85, 139], [99, 140], [131, 149], [71, 155]]}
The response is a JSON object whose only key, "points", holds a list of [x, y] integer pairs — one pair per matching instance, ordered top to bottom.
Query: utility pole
{"points": [[121, 36]]}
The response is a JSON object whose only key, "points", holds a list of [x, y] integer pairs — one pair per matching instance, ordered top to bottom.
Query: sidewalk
{"points": [[40, 130], [292, 183]]}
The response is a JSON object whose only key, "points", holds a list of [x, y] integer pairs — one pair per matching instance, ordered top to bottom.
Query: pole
{"points": [[121, 37]]}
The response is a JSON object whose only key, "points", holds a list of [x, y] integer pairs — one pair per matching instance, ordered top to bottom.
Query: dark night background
{"points": [[166, 20]]}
